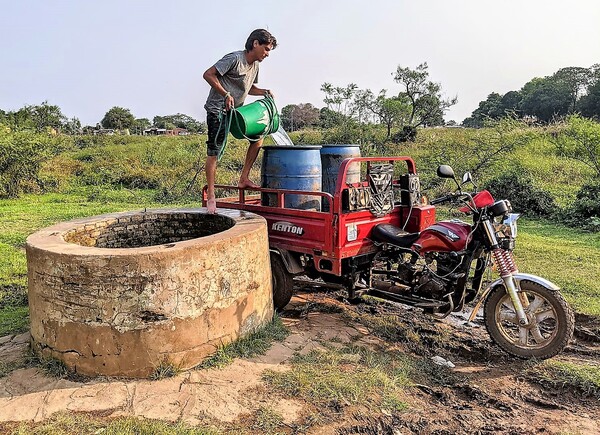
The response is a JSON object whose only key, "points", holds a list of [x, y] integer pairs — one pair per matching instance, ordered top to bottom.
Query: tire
{"points": [[283, 283], [552, 322]]}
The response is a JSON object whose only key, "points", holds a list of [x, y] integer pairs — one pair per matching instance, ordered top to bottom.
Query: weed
{"points": [[253, 344], [48, 365], [7, 367], [165, 369], [350, 375], [566, 376], [267, 420], [72, 423]]}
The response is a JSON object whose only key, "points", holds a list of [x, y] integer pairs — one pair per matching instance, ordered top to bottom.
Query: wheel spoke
{"points": [[536, 303], [543, 315], [508, 317], [523, 335], [537, 335]]}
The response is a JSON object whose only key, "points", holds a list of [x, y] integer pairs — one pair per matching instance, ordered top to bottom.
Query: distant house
{"points": [[104, 131], [154, 131], [180, 132]]}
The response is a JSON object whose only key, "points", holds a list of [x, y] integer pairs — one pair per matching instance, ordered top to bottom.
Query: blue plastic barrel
{"points": [[332, 157], [294, 168]]}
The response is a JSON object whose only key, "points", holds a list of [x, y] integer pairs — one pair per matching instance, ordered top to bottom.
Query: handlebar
{"points": [[450, 197], [442, 199]]}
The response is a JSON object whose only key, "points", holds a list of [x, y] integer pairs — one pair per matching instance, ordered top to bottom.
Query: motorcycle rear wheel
{"points": [[550, 317]]}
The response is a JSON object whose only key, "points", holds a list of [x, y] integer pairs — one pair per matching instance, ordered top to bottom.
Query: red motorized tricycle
{"points": [[379, 237]]}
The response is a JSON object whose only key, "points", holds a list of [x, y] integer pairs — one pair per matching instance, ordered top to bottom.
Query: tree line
{"points": [[568, 91], [47, 117]]}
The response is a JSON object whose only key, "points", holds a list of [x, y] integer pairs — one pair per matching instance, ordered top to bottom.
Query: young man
{"points": [[231, 79]]}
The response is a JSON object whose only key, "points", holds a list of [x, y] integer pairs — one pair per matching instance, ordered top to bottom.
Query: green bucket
{"points": [[255, 120]]}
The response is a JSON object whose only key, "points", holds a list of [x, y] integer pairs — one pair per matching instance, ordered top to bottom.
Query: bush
{"points": [[407, 134], [21, 157], [525, 197], [585, 211]]}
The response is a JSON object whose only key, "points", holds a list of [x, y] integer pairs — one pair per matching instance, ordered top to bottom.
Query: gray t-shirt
{"points": [[236, 76]]}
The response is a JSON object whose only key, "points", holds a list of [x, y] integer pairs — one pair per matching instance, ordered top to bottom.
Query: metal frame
{"points": [[324, 234]]}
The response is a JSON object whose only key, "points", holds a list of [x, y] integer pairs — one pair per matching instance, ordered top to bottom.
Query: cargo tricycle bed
{"points": [[335, 244]]}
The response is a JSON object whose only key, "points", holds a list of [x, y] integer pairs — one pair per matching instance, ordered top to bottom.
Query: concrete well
{"points": [[118, 294]]}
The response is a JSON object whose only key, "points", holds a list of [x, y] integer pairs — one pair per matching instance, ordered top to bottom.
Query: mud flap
{"points": [[291, 264]]}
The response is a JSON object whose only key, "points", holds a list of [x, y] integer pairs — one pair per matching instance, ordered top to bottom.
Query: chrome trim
{"points": [[527, 277]]}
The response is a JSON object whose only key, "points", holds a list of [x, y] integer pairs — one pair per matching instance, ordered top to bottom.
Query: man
{"points": [[232, 79]]}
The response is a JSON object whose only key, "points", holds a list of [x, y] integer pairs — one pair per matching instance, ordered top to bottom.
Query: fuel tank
{"points": [[444, 236]]}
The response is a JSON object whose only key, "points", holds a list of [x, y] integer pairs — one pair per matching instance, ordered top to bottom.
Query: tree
{"points": [[575, 80], [425, 97], [545, 98], [341, 101], [589, 104], [490, 108], [388, 111], [46, 116], [299, 116], [118, 118], [329, 118], [179, 120], [141, 124], [73, 126]]}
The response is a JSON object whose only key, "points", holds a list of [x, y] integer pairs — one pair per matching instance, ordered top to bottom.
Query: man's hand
{"points": [[269, 93], [229, 102]]}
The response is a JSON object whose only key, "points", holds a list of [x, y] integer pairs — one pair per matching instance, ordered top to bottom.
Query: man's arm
{"points": [[211, 75], [254, 90]]}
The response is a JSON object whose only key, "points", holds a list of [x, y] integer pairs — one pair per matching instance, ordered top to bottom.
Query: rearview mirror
{"points": [[445, 171], [467, 177]]}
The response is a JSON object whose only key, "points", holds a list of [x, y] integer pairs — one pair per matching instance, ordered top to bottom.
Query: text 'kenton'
{"points": [[287, 227]]}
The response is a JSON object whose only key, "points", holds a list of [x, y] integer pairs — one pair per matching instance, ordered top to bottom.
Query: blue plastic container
{"points": [[332, 157], [294, 168]]}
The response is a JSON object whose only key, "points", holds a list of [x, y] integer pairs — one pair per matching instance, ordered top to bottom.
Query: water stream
{"points": [[280, 137]]}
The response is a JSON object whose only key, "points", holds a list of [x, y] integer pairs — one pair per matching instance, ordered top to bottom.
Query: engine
{"points": [[439, 275]]}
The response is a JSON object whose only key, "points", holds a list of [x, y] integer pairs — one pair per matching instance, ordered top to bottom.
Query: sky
{"points": [[149, 56]]}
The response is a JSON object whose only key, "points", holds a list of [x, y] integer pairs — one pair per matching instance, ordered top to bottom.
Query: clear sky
{"points": [[88, 56]]}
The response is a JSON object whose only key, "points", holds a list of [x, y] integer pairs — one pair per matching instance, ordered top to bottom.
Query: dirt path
{"points": [[487, 394]]}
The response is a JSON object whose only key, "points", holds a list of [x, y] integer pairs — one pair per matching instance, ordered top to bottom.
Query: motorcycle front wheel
{"points": [[551, 321]]}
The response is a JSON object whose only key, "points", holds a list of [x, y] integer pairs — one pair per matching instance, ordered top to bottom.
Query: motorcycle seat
{"points": [[390, 234]]}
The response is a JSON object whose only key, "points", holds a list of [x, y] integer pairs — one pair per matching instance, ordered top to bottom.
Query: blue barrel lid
{"points": [[340, 145], [292, 147]]}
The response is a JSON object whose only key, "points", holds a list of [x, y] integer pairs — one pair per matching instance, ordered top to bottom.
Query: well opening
{"points": [[147, 229]]}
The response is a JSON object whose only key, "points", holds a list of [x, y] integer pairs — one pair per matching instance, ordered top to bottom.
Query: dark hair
{"points": [[262, 36]]}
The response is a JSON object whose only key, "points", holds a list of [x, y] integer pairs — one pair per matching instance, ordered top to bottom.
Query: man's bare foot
{"points": [[248, 184], [211, 205]]}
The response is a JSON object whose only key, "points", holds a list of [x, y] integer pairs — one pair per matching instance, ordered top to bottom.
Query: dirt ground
{"points": [[491, 397]]}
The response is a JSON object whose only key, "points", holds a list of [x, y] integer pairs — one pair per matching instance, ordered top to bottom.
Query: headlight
{"points": [[509, 225]]}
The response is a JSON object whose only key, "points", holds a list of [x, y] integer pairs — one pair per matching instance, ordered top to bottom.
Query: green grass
{"points": [[570, 258], [13, 320], [248, 346], [346, 376], [582, 378], [267, 421], [87, 424]]}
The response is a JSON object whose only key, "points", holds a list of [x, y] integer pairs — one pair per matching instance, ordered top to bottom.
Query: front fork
{"points": [[507, 268], [511, 289]]}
